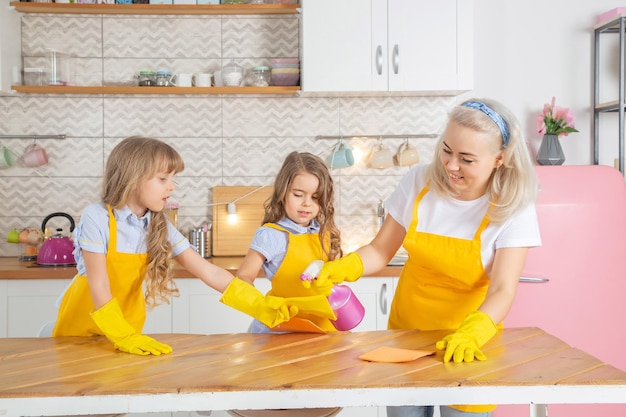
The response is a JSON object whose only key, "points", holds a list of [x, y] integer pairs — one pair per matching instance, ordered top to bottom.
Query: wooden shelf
{"points": [[156, 9], [281, 90]]}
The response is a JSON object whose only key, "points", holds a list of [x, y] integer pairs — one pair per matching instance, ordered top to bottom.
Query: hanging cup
{"points": [[407, 155], [341, 157], [381, 157]]}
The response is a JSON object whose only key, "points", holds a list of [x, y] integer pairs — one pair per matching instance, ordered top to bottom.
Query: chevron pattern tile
{"points": [[79, 35], [162, 37], [260, 37], [51, 115], [393, 115], [161, 116], [280, 117], [359, 195]]}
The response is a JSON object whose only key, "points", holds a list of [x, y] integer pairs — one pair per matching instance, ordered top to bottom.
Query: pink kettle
{"points": [[57, 250]]}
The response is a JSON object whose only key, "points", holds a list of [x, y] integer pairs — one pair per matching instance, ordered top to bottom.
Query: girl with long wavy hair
{"points": [[298, 228]]}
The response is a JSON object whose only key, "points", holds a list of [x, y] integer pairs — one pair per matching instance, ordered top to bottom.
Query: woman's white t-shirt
{"points": [[460, 219]]}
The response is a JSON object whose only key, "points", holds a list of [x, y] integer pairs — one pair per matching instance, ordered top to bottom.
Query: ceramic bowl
{"points": [[285, 70], [285, 79]]}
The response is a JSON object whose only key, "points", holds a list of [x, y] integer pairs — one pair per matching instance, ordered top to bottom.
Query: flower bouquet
{"points": [[553, 122]]}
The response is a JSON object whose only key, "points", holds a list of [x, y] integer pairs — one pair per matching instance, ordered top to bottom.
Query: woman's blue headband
{"points": [[497, 119]]}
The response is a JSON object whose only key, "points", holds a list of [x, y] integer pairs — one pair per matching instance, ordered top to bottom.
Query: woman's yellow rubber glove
{"points": [[348, 268], [269, 310], [111, 322], [472, 334]]}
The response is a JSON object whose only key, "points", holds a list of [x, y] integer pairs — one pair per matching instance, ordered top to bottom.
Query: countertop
{"points": [[13, 268], [84, 375]]}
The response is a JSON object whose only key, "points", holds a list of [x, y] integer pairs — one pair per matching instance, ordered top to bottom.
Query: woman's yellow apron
{"points": [[302, 249], [126, 273], [442, 281]]}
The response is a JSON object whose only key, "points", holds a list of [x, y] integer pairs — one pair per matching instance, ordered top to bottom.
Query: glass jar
{"points": [[260, 76], [146, 78], [163, 78]]}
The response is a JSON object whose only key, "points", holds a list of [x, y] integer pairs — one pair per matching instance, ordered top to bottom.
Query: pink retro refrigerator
{"points": [[582, 216]]}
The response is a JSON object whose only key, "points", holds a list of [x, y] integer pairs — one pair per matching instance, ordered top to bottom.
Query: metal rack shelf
{"points": [[614, 26]]}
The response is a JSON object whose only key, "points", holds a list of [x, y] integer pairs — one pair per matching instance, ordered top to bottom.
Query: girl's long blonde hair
{"points": [[132, 162], [296, 163], [513, 185]]}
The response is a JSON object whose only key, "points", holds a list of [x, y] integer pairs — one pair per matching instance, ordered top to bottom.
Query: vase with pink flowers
{"points": [[553, 122]]}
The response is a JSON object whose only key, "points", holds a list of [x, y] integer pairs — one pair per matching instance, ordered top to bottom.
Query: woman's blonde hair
{"points": [[132, 162], [297, 163], [513, 185]]}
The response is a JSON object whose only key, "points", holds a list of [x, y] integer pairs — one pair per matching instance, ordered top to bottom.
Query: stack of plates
{"points": [[285, 71]]}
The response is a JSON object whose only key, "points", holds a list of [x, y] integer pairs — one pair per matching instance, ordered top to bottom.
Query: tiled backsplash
{"points": [[224, 140]]}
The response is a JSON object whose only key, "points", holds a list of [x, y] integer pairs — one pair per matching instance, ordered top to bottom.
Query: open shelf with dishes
{"points": [[156, 9], [277, 90]]}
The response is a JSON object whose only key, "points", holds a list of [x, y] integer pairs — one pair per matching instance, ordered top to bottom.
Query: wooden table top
{"points": [[76, 375]]}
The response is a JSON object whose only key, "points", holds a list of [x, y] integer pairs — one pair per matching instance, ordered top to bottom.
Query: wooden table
{"points": [[69, 376]]}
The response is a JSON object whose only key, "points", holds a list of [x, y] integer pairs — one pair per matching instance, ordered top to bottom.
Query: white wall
{"points": [[527, 51]]}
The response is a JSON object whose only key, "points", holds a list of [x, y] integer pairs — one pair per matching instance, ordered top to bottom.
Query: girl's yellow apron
{"points": [[302, 249], [126, 274], [442, 281]]}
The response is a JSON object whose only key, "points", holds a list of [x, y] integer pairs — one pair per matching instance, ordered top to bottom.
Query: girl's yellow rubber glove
{"points": [[348, 268], [269, 310], [111, 322], [472, 334]]}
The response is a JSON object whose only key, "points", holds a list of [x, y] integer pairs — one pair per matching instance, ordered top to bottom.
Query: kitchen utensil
{"points": [[57, 249]]}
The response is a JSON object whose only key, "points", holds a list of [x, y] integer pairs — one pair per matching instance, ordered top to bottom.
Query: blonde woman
{"points": [[467, 221]]}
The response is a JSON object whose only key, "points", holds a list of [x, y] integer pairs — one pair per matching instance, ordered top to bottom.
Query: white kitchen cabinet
{"points": [[421, 46], [10, 47], [29, 304]]}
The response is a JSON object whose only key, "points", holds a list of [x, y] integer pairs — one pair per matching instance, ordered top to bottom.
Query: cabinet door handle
{"points": [[396, 59], [379, 60], [533, 279], [383, 299]]}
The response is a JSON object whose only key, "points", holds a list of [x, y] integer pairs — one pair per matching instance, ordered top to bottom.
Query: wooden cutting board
{"points": [[233, 238]]}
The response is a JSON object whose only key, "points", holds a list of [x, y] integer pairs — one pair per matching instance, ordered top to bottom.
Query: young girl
{"points": [[467, 221], [299, 228], [124, 244]]}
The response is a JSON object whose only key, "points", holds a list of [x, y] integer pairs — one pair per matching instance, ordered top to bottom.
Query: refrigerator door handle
{"points": [[533, 280]]}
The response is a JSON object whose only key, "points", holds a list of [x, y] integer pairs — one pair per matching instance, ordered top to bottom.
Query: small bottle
{"points": [[260, 76], [146, 78], [163, 78]]}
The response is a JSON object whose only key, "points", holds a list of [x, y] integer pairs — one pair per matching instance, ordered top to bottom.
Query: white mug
{"points": [[183, 79], [202, 79], [407, 155], [381, 157]]}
